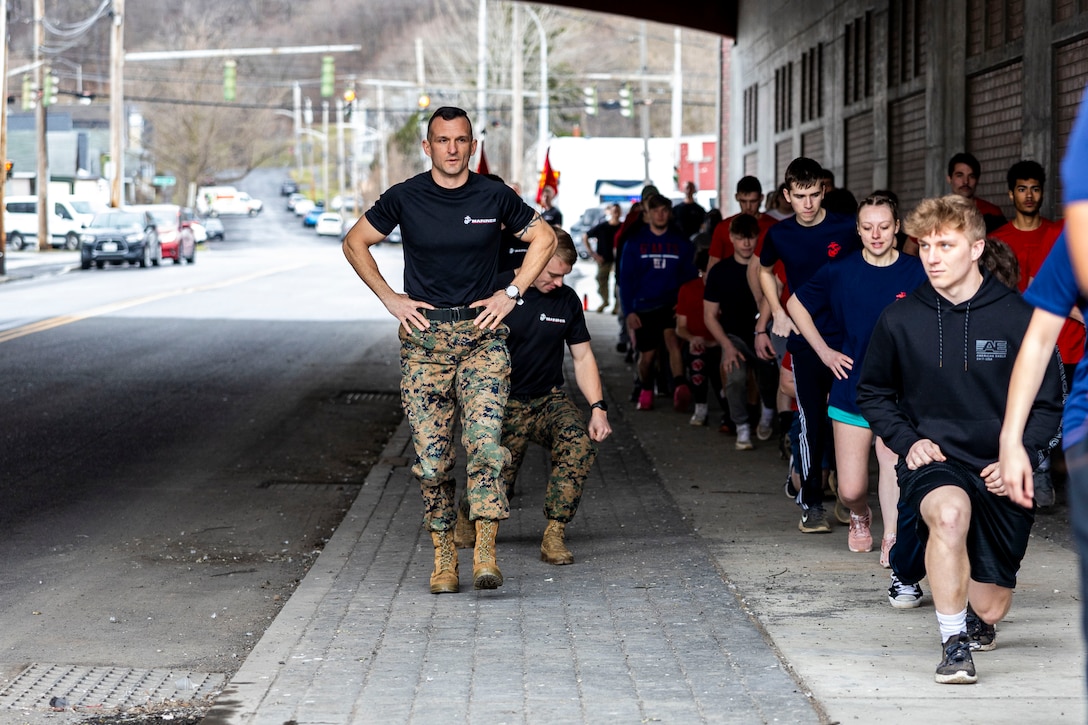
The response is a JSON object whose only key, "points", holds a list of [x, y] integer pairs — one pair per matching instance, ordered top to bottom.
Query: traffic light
{"points": [[328, 76], [230, 79], [28, 93], [49, 93], [590, 94], [424, 101], [349, 103], [626, 109], [8, 166]]}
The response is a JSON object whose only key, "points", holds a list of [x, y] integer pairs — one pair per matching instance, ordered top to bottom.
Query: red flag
{"points": [[482, 167], [548, 177]]}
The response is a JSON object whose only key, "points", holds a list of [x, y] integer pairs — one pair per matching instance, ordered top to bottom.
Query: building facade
{"points": [[884, 92]]}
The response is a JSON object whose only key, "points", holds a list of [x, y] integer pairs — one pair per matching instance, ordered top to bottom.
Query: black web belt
{"points": [[451, 314]]}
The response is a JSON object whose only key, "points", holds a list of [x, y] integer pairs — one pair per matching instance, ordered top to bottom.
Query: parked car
{"points": [[288, 187], [294, 199], [226, 200], [304, 206], [311, 218], [590, 218], [189, 220], [329, 224], [214, 228], [119, 236], [176, 237], [393, 237]]}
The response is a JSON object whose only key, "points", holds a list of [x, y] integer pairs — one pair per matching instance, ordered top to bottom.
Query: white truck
{"points": [[226, 200]]}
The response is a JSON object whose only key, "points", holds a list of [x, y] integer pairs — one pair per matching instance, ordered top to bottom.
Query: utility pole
{"points": [[517, 100], [117, 103], [40, 116], [3, 130]]}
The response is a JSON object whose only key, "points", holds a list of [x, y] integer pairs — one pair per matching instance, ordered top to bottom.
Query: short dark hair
{"points": [[448, 113], [964, 158], [1024, 170], [804, 172], [829, 175], [749, 185], [657, 201], [744, 225], [564, 248], [702, 259]]}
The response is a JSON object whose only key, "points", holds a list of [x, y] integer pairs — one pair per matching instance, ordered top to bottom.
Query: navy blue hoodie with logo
{"points": [[941, 371]]}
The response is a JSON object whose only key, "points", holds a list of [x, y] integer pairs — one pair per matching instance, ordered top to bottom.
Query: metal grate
{"points": [[354, 397], [105, 688]]}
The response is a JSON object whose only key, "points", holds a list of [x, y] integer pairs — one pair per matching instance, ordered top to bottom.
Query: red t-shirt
{"points": [[988, 209], [720, 244], [1031, 249], [689, 302]]}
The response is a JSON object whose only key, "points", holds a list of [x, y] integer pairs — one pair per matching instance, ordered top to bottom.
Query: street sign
{"points": [[164, 181]]}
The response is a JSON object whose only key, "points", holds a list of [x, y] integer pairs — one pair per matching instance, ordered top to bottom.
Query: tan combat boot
{"points": [[464, 533], [552, 548], [485, 572], [444, 579]]}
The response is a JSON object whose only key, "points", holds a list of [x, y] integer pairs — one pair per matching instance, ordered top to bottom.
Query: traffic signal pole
{"points": [[40, 116]]}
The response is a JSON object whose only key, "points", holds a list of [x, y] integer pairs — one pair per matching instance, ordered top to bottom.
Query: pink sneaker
{"points": [[681, 399], [646, 400], [860, 538], [886, 545]]}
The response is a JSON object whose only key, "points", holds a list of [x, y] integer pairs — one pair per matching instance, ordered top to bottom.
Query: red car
{"points": [[175, 232]]}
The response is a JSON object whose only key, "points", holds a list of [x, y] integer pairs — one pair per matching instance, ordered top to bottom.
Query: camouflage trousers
{"points": [[455, 365], [554, 422]]}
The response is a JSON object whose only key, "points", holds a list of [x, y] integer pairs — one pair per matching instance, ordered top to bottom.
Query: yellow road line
{"points": [[52, 322]]}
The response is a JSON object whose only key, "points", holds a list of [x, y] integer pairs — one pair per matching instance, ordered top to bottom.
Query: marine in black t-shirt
{"points": [[537, 329]]}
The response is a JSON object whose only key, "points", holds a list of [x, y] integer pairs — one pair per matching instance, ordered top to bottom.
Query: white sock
{"points": [[766, 417], [952, 624]]}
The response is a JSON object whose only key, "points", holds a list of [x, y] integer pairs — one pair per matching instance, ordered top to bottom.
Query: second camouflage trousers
{"points": [[451, 366], [554, 422]]}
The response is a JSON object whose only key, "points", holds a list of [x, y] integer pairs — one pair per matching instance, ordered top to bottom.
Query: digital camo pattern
{"points": [[455, 365], [555, 423]]}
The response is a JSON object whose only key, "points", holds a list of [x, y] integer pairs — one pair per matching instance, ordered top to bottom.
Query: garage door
{"points": [[1071, 76], [994, 126], [859, 155], [907, 155]]}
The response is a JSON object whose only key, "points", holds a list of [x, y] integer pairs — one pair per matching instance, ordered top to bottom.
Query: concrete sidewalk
{"points": [[693, 598]]}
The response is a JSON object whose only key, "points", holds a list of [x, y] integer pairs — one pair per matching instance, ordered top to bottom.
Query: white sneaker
{"points": [[699, 416], [765, 429], [744, 437]]}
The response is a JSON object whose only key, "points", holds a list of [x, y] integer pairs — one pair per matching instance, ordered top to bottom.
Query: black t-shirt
{"points": [[553, 216], [689, 216], [451, 237], [601, 239], [512, 252], [727, 284], [538, 329]]}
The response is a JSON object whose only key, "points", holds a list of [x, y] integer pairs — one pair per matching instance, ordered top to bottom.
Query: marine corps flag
{"points": [[482, 167], [548, 177]]}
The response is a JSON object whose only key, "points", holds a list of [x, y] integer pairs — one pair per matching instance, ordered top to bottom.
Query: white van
{"points": [[226, 200], [66, 222]]}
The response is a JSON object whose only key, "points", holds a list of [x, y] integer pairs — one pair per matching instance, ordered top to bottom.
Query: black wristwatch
{"points": [[600, 405]]}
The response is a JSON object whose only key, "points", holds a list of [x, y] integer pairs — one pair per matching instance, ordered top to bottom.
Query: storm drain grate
{"points": [[354, 397], [293, 485], [105, 688]]}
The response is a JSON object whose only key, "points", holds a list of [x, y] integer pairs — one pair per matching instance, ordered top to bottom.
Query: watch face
{"points": [[512, 292]]}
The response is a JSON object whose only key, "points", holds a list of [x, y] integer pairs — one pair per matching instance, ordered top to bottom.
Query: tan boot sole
{"points": [[560, 560], [486, 578], [444, 588]]}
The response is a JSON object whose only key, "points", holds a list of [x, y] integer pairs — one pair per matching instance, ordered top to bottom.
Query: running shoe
{"points": [[681, 398], [646, 400], [700, 414], [765, 429], [744, 437], [842, 514], [814, 521], [860, 538], [904, 596], [983, 636], [956, 667]]}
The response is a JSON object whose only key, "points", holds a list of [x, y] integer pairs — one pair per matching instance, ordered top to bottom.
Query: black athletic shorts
{"points": [[651, 335], [998, 536]]}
